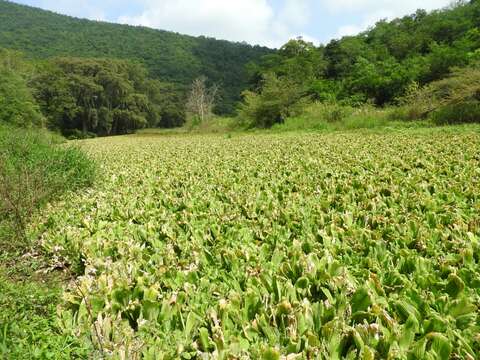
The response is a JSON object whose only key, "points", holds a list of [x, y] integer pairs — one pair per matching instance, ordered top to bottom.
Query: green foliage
{"points": [[421, 47], [168, 56], [297, 60], [379, 65], [380, 81], [100, 96], [84, 97], [278, 99], [455, 99], [167, 104], [17, 105], [467, 112], [337, 117], [213, 125], [34, 168], [333, 245], [28, 320]]}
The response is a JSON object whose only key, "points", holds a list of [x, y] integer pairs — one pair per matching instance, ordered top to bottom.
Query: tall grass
{"points": [[332, 116], [336, 117], [216, 124], [34, 168]]}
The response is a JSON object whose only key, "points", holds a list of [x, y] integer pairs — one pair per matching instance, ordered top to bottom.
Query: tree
{"points": [[169, 57], [99, 96], [201, 99], [278, 99], [17, 105]]}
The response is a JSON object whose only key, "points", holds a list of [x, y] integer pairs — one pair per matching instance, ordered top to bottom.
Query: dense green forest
{"points": [[168, 56], [389, 64], [80, 96]]}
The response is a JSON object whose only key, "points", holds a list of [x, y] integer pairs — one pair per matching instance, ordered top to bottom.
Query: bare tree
{"points": [[201, 99]]}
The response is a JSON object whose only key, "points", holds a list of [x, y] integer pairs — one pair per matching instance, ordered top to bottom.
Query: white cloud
{"points": [[396, 7], [370, 11], [296, 13], [253, 21], [367, 21]]}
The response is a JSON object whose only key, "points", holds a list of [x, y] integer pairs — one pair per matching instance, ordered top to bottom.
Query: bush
{"points": [[278, 99], [453, 100], [17, 105], [331, 112], [468, 112], [406, 113], [335, 116], [216, 124], [75, 134], [34, 168]]}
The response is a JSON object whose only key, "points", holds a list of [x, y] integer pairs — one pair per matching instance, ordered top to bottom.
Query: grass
{"points": [[316, 117], [334, 117], [34, 169], [315, 245], [29, 297]]}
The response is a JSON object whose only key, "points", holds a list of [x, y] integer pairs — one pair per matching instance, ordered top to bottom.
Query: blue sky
{"points": [[264, 22]]}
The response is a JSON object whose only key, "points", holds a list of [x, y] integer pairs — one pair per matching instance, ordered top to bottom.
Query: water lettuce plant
{"points": [[288, 246]]}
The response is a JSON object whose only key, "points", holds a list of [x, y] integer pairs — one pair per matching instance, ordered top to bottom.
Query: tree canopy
{"points": [[378, 66], [100, 78]]}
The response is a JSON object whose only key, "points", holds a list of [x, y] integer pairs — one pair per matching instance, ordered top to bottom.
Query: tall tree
{"points": [[100, 96], [201, 99], [17, 105]]}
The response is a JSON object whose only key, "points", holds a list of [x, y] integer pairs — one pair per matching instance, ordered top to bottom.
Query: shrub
{"points": [[278, 99], [455, 99], [413, 105], [331, 112], [468, 112], [336, 116], [216, 124], [75, 134], [34, 168]]}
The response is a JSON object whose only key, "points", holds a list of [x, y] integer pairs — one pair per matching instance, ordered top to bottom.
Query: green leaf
{"points": [[302, 283], [455, 285], [361, 300], [410, 328], [204, 339], [441, 346], [271, 354]]}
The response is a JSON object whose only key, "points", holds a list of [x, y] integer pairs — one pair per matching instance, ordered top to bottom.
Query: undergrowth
{"points": [[34, 168]]}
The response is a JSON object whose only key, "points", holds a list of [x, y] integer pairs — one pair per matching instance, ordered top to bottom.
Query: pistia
{"points": [[275, 246]]}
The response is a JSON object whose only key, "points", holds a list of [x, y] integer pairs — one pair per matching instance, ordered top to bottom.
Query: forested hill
{"points": [[168, 56]]}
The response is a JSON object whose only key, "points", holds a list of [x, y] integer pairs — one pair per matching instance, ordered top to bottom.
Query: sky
{"points": [[263, 22]]}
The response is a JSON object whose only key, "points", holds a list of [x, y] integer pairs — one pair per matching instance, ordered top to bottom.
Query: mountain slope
{"points": [[169, 56]]}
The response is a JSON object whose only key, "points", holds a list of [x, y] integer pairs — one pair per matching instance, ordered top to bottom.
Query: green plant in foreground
{"points": [[320, 246], [28, 324]]}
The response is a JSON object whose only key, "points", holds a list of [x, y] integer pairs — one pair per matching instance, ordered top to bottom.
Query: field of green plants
{"points": [[275, 246]]}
